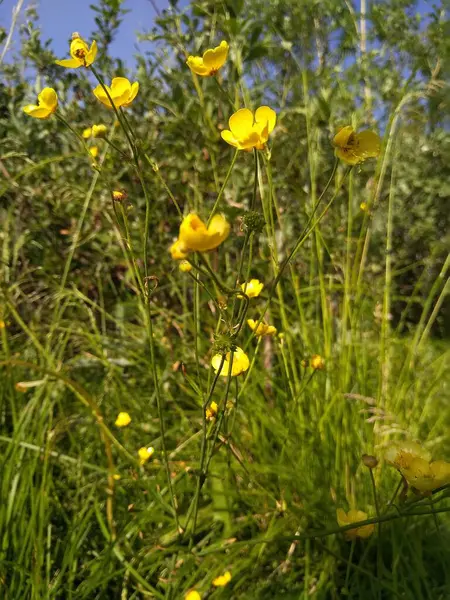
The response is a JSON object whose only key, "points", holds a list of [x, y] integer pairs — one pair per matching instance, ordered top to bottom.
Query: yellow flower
{"points": [[82, 55], [211, 61], [121, 92], [46, 106], [99, 131], [249, 131], [87, 133], [354, 148], [93, 151], [119, 195], [364, 207], [195, 235], [178, 251], [185, 266], [252, 288], [2, 324], [262, 329], [240, 362], [317, 362], [21, 387], [212, 411], [123, 419], [145, 454], [413, 462], [117, 477], [354, 516], [222, 580], [193, 595]]}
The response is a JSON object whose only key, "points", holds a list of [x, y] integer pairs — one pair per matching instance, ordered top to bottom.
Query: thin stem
{"points": [[222, 189]]}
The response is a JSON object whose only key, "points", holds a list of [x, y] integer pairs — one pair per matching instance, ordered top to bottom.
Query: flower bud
{"points": [[369, 461]]}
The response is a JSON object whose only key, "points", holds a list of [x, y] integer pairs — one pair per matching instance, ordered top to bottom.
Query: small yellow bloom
{"points": [[82, 55], [211, 61], [121, 92], [46, 106], [99, 131], [249, 131], [87, 133], [354, 148], [93, 151], [119, 195], [364, 207], [196, 236], [178, 251], [185, 266], [252, 288], [262, 329], [240, 362], [317, 362], [211, 411], [123, 419], [145, 454], [414, 463], [116, 476], [354, 516], [222, 580], [193, 595]]}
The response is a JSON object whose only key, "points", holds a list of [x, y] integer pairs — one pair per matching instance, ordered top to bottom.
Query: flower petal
{"points": [[90, 56], [215, 58], [69, 63], [195, 63], [120, 90], [133, 93], [100, 94], [48, 99], [36, 111], [265, 114], [241, 123], [343, 136], [229, 138], [368, 144]]}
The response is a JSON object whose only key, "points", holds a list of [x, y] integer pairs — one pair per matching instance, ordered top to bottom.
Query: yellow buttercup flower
{"points": [[82, 55], [210, 62], [121, 92], [46, 106], [248, 130], [99, 131], [87, 133], [354, 148], [93, 151], [119, 195], [364, 207], [196, 236], [185, 266], [252, 288], [262, 329], [240, 362], [317, 362], [211, 411], [123, 419], [145, 454], [415, 464], [354, 516], [222, 580], [193, 595]]}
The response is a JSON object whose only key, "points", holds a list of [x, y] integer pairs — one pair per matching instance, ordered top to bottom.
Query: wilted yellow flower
{"points": [[82, 55], [211, 61], [121, 92], [46, 106], [249, 131], [87, 133], [354, 148], [93, 151], [119, 195], [195, 235], [178, 251], [185, 266], [252, 288], [262, 329], [240, 362], [317, 362], [21, 387], [212, 410], [123, 419], [145, 454], [413, 462], [354, 516], [222, 580], [193, 595]]}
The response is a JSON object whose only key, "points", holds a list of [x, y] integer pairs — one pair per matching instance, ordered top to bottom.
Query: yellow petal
{"points": [[79, 49], [90, 56], [215, 58], [69, 63], [195, 63], [121, 90], [133, 93], [100, 94], [48, 99], [36, 111], [265, 114], [241, 123], [343, 136], [229, 138], [368, 144], [347, 155], [218, 231], [193, 233], [178, 250], [240, 363]]}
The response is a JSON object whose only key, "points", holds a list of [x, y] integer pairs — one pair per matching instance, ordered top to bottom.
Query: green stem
{"points": [[222, 189]]}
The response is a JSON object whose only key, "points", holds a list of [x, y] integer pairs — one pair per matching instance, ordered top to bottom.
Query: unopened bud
{"points": [[369, 461]]}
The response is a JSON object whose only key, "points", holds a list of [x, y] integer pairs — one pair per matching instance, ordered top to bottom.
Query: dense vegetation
{"points": [[96, 317]]}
